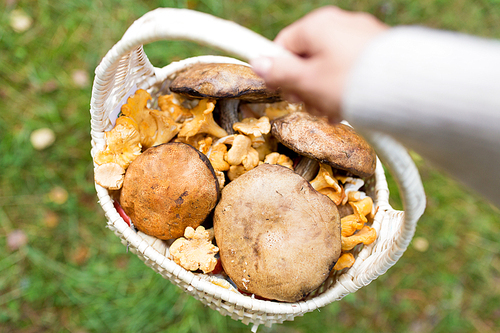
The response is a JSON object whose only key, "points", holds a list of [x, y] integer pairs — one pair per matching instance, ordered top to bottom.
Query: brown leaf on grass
{"points": [[192, 4], [20, 21], [80, 78], [50, 86], [42, 138], [58, 195], [51, 219], [16, 239], [420, 244], [80, 255], [121, 262]]}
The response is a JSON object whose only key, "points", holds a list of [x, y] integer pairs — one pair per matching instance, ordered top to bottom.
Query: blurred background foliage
{"points": [[62, 270]]}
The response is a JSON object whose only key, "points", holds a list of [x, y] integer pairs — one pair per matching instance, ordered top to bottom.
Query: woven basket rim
{"points": [[126, 64], [192, 278]]}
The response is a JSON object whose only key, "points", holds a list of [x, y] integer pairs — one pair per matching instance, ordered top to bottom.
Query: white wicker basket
{"points": [[126, 67]]}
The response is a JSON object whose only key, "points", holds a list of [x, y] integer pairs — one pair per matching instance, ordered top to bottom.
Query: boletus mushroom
{"points": [[228, 84], [337, 145], [168, 188], [278, 237]]}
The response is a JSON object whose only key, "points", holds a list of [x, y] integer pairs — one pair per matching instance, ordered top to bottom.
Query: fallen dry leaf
{"points": [[20, 21], [80, 78], [50, 86], [42, 138], [58, 195], [51, 219], [16, 239], [420, 244], [80, 255]]}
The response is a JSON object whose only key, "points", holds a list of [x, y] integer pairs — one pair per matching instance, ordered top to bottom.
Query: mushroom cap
{"points": [[210, 80], [337, 145], [168, 188], [278, 237]]}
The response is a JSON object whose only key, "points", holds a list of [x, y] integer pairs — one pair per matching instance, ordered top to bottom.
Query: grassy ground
{"points": [[73, 274]]}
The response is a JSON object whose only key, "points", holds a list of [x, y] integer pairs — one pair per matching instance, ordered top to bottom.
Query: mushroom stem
{"points": [[229, 114], [307, 168]]}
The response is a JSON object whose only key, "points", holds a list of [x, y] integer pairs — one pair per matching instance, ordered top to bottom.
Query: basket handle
{"points": [[185, 24], [205, 29]]}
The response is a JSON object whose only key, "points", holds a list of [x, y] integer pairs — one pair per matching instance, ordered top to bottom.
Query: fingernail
{"points": [[261, 66]]}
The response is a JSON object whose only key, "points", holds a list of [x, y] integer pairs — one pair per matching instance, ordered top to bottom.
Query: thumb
{"points": [[283, 72]]}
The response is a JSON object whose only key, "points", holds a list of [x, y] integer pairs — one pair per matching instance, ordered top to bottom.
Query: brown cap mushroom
{"points": [[228, 83], [337, 145], [168, 188], [278, 237]]}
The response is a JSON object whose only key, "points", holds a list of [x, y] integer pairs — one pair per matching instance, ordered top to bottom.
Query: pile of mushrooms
{"points": [[231, 182]]}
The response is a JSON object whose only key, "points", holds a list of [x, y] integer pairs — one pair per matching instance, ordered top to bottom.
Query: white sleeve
{"points": [[438, 93]]}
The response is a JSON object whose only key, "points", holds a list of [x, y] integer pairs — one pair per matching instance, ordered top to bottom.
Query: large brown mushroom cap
{"points": [[222, 81], [337, 145], [168, 188], [278, 237]]}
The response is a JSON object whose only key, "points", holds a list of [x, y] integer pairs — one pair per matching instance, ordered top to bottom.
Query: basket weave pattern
{"points": [[126, 67]]}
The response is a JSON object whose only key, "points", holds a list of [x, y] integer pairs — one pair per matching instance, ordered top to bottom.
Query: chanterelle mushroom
{"points": [[228, 83], [203, 121], [155, 127], [254, 128], [122, 144], [337, 145], [241, 152], [280, 159], [109, 175], [326, 184], [168, 188], [366, 235], [278, 237], [195, 250], [346, 260]]}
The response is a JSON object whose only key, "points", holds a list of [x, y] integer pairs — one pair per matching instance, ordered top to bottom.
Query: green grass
{"points": [[75, 276]]}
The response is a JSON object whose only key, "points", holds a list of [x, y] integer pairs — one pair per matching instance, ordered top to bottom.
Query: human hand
{"points": [[325, 45]]}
